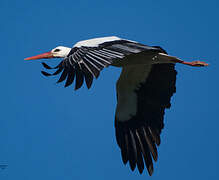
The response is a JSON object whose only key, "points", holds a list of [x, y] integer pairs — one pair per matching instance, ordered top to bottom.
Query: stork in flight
{"points": [[144, 88]]}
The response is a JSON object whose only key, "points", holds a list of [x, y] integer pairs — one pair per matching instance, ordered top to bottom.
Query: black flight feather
{"points": [[46, 66], [49, 67], [58, 71], [46, 73], [63, 75], [87, 76], [70, 78], [79, 78], [151, 143], [124, 148], [132, 151], [146, 154], [140, 162]]}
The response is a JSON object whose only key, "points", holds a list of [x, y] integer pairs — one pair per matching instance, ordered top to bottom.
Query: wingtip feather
{"points": [[46, 66], [45, 73], [150, 170]]}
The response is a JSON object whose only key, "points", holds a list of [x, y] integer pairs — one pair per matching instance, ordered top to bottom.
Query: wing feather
{"points": [[87, 61], [63, 75], [87, 76], [70, 78], [79, 79], [140, 110], [132, 150], [140, 162]]}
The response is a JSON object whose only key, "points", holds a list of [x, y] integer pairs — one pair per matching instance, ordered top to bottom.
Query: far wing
{"points": [[143, 93]]}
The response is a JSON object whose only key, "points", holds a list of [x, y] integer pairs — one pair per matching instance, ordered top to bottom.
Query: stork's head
{"points": [[58, 52]]}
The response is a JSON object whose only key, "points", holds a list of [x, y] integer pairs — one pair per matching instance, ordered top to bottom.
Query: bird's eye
{"points": [[57, 50]]}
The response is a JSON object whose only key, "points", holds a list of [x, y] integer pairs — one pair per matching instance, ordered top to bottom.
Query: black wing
{"points": [[85, 63], [138, 133]]}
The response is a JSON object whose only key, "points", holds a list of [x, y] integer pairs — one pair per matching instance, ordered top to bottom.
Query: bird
{"points": [[144, 89]]}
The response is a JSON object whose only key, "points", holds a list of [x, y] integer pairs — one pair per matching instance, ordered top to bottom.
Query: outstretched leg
{"points": [[172, 59], [193, 63]]}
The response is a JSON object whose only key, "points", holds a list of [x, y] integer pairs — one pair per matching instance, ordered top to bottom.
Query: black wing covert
{"points": [[84, 63]]}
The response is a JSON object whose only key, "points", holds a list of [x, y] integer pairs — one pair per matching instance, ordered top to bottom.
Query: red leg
{"points": [[173, 59], [193, 63]]}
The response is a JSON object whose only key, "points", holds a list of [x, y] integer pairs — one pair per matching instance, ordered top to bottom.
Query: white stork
{"points": [[144, 88]]}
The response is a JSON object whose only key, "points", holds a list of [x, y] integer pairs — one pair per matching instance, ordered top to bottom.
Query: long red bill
{"points": [[41, 56]]}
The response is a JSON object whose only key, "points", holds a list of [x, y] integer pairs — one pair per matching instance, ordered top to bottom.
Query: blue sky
{"points": [[51, 132]]}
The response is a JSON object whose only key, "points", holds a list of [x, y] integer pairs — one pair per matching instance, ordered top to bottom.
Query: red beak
{"points": [[41, 56]]}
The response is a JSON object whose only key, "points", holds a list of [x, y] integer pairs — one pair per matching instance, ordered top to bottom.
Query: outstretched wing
{"points": [[85, 63], [143, 93]]}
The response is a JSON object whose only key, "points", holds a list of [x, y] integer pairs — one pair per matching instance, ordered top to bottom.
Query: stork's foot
{"points": [[195, 63]]}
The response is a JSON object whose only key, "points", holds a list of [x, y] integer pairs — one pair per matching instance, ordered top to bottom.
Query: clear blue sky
{"points": [[51, 132]]}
